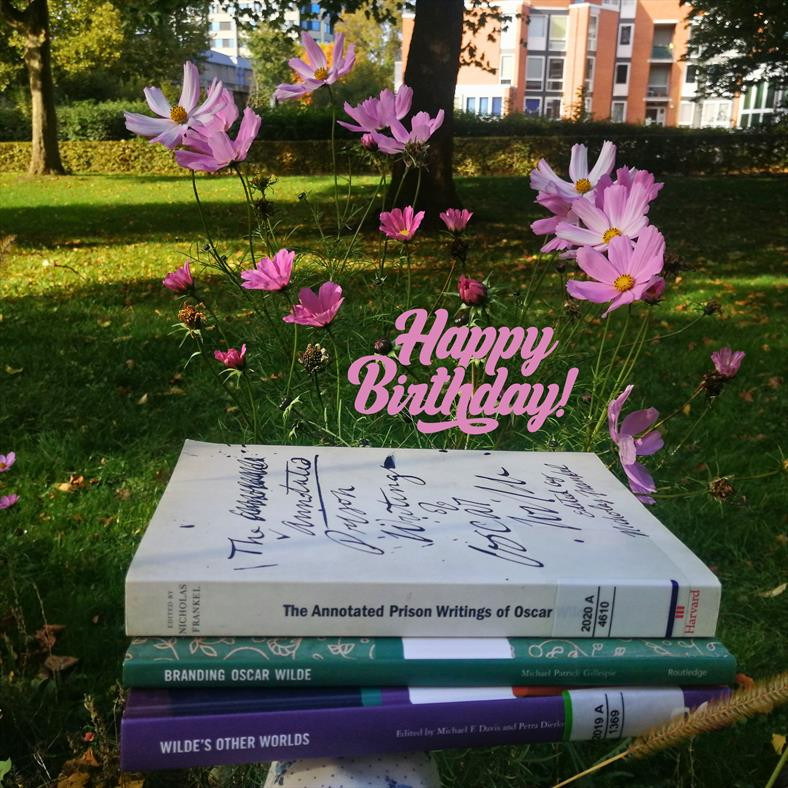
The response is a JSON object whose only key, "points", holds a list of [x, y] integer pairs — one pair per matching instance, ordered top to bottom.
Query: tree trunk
{"points": [[33, 24], [433, 63], [45, 154]]}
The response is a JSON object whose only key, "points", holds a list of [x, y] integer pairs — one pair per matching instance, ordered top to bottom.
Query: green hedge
{"points": [[82, 120], [710, 152]]}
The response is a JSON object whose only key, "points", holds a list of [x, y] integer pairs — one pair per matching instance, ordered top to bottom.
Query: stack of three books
{"points": [[421, 599]]}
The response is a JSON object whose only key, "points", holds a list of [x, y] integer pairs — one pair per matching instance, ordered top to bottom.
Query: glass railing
{"points": [[659, 52], [657, 91]]}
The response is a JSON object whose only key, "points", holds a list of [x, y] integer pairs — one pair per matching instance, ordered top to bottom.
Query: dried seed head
{"points": [[711, 307], [191, 317], [314, 358], [712, 383], [720, 488]]}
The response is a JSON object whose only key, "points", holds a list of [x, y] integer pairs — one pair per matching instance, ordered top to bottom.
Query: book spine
{"points": [[575, 608], [562, 672], [170, 742]]}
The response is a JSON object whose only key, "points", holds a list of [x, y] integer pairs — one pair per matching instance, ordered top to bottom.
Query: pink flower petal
{"points": [[190, 92], [157, 101], [596, 265], [596, 292]]}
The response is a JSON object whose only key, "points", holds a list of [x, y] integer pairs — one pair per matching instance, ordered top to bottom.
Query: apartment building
{"points": [[228, 57], [620, 59]]}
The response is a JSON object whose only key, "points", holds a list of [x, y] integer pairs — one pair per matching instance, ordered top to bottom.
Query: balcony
{"points": [[662, 52], [657, 91]]}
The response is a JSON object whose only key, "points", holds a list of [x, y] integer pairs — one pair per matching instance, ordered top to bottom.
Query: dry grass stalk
{"points": [[760, 698]]}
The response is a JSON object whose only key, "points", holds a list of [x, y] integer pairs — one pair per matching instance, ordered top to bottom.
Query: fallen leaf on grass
{"points": [[9, 370], [746, 395], [143, 400], [686, 408], [75, 482], [124, 493], [776, 591], [47, 635], [55, 664]]}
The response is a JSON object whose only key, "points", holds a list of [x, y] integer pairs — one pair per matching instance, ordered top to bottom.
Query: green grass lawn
{"points": [[94, 385]]}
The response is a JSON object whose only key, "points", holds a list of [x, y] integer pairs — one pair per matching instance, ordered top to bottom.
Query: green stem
{"points": [[334, 159], [363, 219], [211, 245], [407, 262], [338, 381], [691, 429], [778, 769]]}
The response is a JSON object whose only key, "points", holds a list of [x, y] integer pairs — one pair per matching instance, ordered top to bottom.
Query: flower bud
{"points": [[472, 291], [654, 292], [711, 307], [383, 346], [721, 488]]}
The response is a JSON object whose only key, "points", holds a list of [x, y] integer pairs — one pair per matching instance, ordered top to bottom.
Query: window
{"points": [[225, 26], [593, 26], [537, 31], [558, 33], [625, 35], [225, 43], [507, 69], [534, 73], [555, 73], [622, 73], [691, 76], [589, 80], [470, 104], [484, 106], [497, 106], [533, 106], [587, 106], [552, 109], [618, 111], [686, 113]]}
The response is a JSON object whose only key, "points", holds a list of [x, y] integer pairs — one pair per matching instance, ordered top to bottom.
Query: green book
{"points": [[390, 661]]}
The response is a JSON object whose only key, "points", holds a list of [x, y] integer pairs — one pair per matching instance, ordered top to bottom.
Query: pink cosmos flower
{"points": [[315, 71], [374, 114], [224, 117], [422, 127], [169, 128], [368, 142], [217, 151], [583, 181], [561, 209], [624, 213], [456, 220], [401, 225], [271, 273], [624, 275], [180, 280], [472, 291], [654, 292], [316, 309], [232, 358], [727, 361], [630, 447], [6, 461], [7, 501]]}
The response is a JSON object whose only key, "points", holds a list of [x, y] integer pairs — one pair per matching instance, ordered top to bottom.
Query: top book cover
{"points": [[296, 541]]}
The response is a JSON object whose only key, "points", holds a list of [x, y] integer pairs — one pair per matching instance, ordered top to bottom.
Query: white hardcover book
{"points": [[295, 540]]}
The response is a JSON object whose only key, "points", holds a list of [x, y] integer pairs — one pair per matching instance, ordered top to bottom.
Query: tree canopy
{"points": [[738, 43]]}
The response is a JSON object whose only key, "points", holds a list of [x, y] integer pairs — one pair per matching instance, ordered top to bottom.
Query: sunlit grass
{"points": [[94, 385]]}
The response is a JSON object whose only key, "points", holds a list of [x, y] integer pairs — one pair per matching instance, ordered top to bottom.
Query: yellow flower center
{"points": [[321, 73], [179, 114], [583, 185], [404, 232], [610, 234], [623, 283]]}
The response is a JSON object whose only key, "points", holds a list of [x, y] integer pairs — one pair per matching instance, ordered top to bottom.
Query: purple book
{"points": [[174, 729]]}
